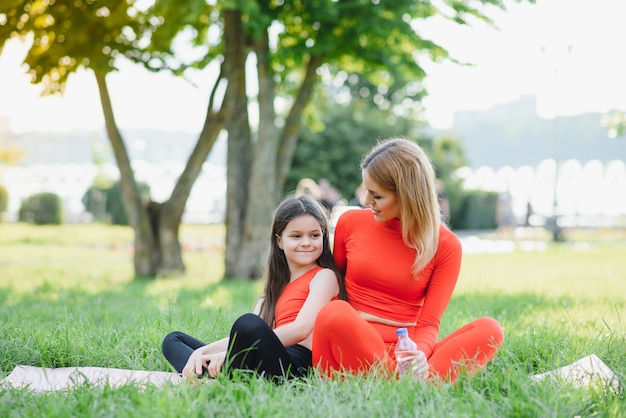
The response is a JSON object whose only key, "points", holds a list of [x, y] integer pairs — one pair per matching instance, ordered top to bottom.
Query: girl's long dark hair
{"points": [[277, 275]]}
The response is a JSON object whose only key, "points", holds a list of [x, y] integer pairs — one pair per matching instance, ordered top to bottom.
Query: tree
{"points": [[69, 34], [291, 43], [356, 115], [357, 127], [337, 135]]}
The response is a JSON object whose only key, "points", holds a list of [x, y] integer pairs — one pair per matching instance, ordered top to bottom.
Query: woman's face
{"points": [[384, 203]]}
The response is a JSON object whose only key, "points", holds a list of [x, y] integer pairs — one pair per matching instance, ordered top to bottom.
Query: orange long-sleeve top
{"points": [[377, 267], [292, 297]]}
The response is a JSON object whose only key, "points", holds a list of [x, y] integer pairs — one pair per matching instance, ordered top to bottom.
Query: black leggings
{"points": [[252, 346]]}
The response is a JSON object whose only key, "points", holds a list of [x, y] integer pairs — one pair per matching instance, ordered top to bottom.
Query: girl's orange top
{"points": [[377, 267], [292, 298]]}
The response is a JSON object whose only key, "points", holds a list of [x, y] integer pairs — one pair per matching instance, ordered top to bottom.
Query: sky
{"points": [[564, 52], [567, 53]]}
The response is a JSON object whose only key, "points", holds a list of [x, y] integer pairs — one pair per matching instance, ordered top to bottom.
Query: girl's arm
{"points": [[322, 289], [257, 306], [202, 356], [208, 356]]}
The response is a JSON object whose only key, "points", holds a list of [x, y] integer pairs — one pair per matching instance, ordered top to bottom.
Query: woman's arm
{"points": [[440, 289]]}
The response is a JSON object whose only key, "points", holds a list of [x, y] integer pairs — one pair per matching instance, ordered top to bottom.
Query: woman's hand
{"points": [[420, 367]]}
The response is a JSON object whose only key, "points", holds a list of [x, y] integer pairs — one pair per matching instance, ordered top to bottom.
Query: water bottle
{"points": [[405, 351]]}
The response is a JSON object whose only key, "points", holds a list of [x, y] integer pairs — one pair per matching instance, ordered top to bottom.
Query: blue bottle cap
{"points": [[401, 332]]}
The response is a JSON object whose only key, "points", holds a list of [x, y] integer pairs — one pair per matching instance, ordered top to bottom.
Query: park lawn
{"points": [[67, 298]]}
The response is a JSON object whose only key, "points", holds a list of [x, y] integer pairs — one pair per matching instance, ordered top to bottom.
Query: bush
{"points": [[4, 198], [95, 202], [107, 204], [42, 209], [477, 210]]}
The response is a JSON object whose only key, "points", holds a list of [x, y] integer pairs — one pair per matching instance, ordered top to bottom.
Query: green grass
{"points": [[67, 298]]}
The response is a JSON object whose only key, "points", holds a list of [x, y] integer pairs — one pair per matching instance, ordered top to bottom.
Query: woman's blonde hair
{"points": [[401, 166]]}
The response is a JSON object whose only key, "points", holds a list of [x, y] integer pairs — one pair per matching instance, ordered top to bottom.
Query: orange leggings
{"points": [[343, 341]]}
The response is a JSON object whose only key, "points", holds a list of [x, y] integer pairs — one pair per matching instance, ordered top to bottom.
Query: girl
{"points": [[401, 264], [275, 341]]}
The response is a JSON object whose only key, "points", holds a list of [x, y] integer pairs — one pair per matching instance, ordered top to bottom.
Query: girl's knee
{"points": [[246, 323], [172, 336], [170, 339]]}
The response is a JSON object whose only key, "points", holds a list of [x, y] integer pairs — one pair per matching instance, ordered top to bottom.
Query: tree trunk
{"points": [[239, 143], [257, 168], [238, 176], [262, 187], [156, 226], [146, 259], [171, 262]]}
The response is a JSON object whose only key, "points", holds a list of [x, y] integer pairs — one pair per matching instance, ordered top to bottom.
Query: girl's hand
{"points": [[195, 363], [215, 363], [420, 366]]}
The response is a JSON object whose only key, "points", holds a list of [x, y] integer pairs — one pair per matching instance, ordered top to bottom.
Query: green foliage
{"points": [[380, 33], [61, 43], [333, 147], [335, 151], [447, 154], [453, 188], [4, 198], [95, 202], [106, 203], [115, 205], [41, 209], [477, 210]]}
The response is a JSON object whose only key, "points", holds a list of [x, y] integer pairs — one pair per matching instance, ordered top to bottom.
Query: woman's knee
{"points": [[333, 314], [492, 328]]}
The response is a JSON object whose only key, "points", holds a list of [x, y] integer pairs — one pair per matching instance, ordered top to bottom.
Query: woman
{"points": [[400, 266]]}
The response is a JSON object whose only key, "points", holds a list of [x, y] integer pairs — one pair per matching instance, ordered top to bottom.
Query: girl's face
{"points": [[384, 203], [302, 242]]}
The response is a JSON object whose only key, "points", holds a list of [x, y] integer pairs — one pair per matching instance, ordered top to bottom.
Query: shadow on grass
{"points": [[121, 327], [124, 327]]}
